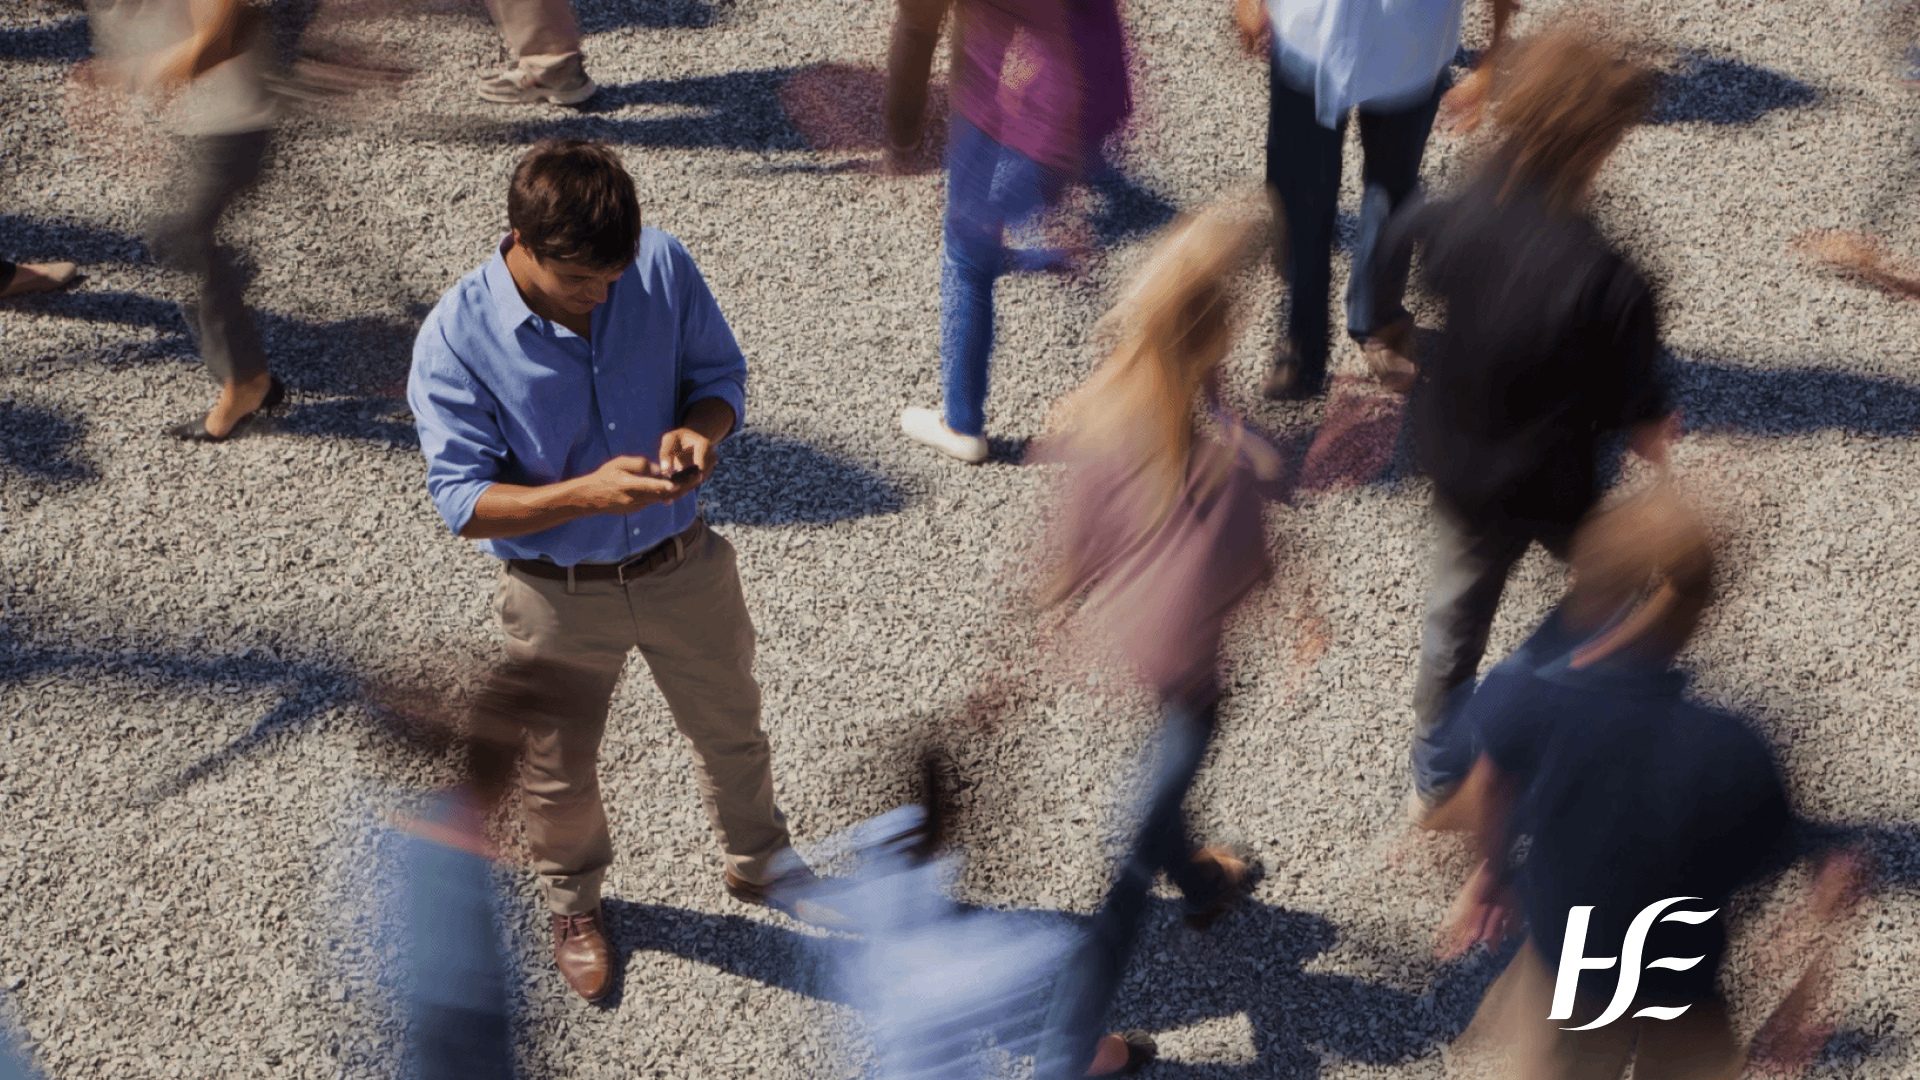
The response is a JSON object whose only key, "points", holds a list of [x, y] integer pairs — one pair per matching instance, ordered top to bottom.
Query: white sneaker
{"points": [[516, 86], [926, 426]]}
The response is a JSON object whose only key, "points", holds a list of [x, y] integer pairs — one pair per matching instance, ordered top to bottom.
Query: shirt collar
{"points": [[510, 310]]}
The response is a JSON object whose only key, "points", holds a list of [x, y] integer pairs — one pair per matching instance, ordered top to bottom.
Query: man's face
{"points": [[572, 287]]}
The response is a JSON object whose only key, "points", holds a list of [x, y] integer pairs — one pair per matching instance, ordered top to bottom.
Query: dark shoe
{"points": [[1288, 382], [195, 430], [1230, 877], [798, 894], [581, 952], [1141, 1051]]}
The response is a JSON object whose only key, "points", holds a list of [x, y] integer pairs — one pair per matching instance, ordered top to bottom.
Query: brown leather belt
{"points": [[655, 557]]}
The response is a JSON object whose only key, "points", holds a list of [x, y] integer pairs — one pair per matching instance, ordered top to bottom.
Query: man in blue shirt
{"points": [[569, 396]]}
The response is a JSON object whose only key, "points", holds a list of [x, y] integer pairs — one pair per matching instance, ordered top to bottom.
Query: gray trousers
{"points": [[224, 165], [1471, 564]]}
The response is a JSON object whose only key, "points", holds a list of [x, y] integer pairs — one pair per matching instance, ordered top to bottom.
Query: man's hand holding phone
{"points": [[686, 458], [628, 483]]}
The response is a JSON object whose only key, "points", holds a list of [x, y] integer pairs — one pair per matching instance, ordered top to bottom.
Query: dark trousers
{"points": [[1303, 168], [6, 273], [229, 342], [1471, 565], [1086, 989]]}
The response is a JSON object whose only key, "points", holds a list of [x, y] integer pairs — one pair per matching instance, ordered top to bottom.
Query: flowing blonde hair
{"points": [[1563, 99], [1171, 329], [1650, 557]]}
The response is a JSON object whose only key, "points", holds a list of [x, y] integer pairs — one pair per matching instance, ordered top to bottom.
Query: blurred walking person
{"points": [[916, 34], [213, 58], [1387, 59], [1037, 86], [1549, 347], [571, 395], [1160, 529], [1632, 801]]}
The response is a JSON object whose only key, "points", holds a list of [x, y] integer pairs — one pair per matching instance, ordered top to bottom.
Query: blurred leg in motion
{"points": [[916, 34], [225, 165], [989, 189], [1470, 572], [1092, 977]]}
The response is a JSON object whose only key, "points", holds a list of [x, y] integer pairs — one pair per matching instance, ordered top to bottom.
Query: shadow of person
{"points": [[1721, 90], [1718, 395], [42, 443], [767, 479], [1251, 963]]}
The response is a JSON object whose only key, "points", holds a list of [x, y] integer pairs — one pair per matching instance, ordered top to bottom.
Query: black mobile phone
{"points": [[684, 475]]}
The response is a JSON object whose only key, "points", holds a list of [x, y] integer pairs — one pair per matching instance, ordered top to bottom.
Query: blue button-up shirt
{"points": [[501, 395]]}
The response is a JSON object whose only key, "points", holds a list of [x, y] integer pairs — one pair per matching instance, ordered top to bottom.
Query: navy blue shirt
{"points": [[1629, 795]]}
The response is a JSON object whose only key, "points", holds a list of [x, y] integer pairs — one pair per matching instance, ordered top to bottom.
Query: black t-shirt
{"points": [[1550, 344], [1629, 796]]}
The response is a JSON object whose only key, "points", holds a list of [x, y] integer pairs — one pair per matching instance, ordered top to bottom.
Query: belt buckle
{"points": [[620, 569]]}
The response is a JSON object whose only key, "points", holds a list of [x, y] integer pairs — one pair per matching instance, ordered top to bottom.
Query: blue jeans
{"points": [[1303, 168], [990, 188], [458, 989], [1086, 989]]}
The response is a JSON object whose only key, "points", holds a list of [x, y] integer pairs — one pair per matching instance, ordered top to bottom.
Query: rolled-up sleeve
{"points": [[711, 363], [459, 427]]}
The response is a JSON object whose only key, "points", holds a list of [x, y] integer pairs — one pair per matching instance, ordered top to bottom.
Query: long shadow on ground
{"points": [[1721, 90], [41, 443], [768, 479], [309, 689], [1251, 963]]}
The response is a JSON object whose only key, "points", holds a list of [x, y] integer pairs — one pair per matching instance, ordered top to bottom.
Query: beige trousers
{"points": [[542, 36], [689, 621], [1511, 1037]]}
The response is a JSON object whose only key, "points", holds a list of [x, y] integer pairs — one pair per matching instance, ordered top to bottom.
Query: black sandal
{"points": [[195, 430]]}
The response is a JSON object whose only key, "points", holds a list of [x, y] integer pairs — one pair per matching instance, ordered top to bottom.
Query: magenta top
{"points": [[1045, 77]]}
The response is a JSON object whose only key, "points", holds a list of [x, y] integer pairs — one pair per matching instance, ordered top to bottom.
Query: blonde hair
{"points": [[1563, 99], [1171, 330], [1651, 554]]}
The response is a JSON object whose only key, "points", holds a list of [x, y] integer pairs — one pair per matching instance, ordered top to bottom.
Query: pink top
{"points": [[1045, 77], [1164, 588]]}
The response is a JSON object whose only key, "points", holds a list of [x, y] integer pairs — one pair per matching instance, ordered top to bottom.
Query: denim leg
{"points": [[1391, 145], [1303, 168], [989, 188], [1470, 572], [458, 979], [1084, 994]]}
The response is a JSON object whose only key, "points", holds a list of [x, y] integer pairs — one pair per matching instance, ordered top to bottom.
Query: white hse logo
{"points": [[1573, 961]]}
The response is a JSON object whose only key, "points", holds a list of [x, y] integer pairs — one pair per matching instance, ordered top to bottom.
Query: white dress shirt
{"points": [[1381, 54]]}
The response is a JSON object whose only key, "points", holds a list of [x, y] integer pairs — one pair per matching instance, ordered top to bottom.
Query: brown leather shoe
{"points": [[1230, 874], [581, 952]]}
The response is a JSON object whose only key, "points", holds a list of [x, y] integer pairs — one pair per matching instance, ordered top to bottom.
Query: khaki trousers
{"points": [[542, 36], [689, 620], [1511, 1037]]}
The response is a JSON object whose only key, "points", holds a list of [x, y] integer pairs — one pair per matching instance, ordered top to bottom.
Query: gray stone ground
{"points": [[192, 780]]}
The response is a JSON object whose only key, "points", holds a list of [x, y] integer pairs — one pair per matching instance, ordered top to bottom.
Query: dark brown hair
{"points": [[1563, 100], [573, 200]]}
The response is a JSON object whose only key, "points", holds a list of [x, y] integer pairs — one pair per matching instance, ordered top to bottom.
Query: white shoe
{"points": [[517, 86], [926, 426]]}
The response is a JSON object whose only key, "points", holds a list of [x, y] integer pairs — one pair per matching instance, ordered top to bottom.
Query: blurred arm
{"points": [[1465, 106]]}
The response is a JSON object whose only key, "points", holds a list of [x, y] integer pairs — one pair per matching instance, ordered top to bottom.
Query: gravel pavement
{"points": [[192, 783]]}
